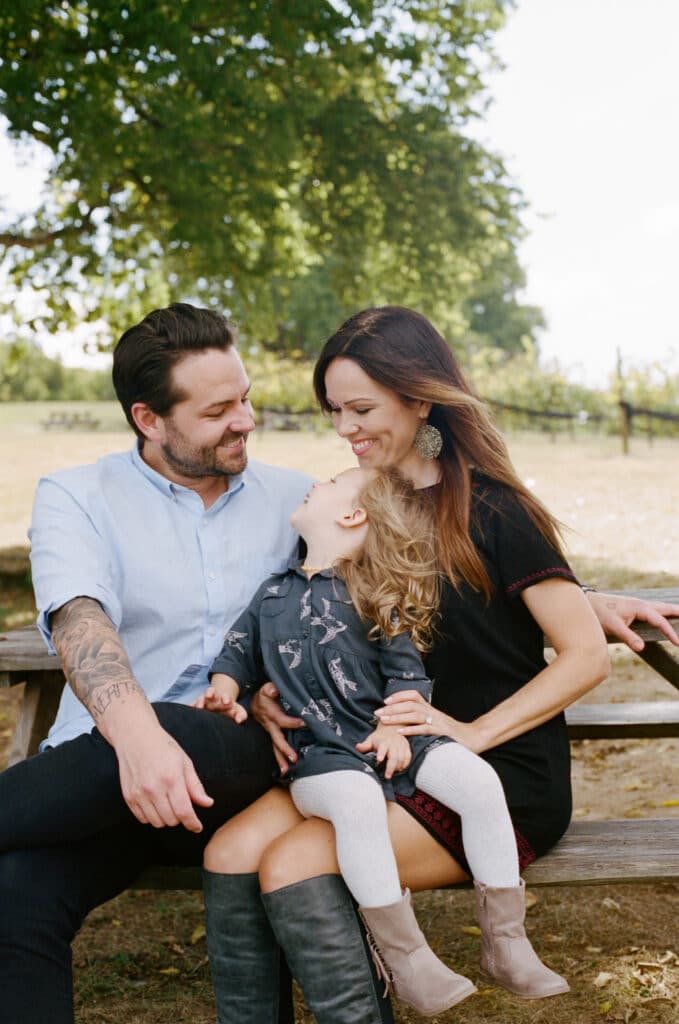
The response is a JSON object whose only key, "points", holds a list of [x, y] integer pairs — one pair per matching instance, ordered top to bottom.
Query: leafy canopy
{"points": [[251, 155]]}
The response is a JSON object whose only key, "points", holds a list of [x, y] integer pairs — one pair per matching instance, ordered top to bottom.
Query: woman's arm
{"points": [[581, 662]]}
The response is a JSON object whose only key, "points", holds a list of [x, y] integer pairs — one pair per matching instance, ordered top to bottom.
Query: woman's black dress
{"points": [[487, 650]]}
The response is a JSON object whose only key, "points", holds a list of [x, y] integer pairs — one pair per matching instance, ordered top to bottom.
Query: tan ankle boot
{"points": [[507, 955], [416, 974]]}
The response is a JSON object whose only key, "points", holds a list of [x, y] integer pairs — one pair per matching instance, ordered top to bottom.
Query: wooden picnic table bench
{"points": [[68, 420], [591, 852]]}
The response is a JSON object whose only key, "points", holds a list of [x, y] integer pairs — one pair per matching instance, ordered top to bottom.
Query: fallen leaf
{"points": [[669, 803], [531, 899], [610, 904], [470, 929], [197, 934], [593, 949], [170, 971], [602, 979], [605, 1007]]}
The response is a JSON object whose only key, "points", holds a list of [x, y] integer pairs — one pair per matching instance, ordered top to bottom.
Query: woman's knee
{"points": [[237, 847], [233, 849], [301, 853]]}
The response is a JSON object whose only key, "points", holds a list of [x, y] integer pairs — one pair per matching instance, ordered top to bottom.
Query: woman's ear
{"points": [[424, 410], [357, 517]]}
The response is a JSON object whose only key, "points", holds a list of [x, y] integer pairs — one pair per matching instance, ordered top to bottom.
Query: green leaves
{"points": [[216, 152]]}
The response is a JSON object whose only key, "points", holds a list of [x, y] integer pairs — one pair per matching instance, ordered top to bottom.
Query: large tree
{"points": [[235, 152]]}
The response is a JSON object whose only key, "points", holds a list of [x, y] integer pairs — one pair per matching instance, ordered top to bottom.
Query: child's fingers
{"points": [[238, 713]]}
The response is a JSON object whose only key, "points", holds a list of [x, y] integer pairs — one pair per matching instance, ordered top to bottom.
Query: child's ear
{"points": [[357, 517]]}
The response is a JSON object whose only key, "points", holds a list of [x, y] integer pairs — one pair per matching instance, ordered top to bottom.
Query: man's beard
{"points": [[201, 462]]}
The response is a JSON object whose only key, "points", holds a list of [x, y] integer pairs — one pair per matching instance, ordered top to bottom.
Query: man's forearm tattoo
{"points": [[92, 656]]}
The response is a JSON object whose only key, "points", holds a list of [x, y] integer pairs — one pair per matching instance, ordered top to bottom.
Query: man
{"points": [[139, 564]]}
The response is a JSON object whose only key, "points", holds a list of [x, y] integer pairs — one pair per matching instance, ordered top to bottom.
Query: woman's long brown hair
{"points": [[399, 349]]}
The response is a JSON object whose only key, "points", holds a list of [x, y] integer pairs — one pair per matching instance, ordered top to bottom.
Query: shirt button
{"points": [[212, 576], [211, 631]]}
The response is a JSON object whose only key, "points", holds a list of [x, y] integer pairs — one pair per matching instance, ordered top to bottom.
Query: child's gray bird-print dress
{"points": [[306, 637]]}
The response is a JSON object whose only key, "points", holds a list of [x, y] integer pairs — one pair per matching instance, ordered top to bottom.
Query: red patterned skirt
{"points": [[445, 826]]}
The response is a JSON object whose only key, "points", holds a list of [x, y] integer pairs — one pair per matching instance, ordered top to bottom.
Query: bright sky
{"points": [[585, 113]]}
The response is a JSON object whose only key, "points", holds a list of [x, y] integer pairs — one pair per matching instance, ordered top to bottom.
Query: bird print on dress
{"points": [[305, 605], [330, 624], [233, 639], [294, 648], [337, 674], [322, 712]]}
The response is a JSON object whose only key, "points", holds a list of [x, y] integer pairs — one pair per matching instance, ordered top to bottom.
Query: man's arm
{"points": [[157, 778]]}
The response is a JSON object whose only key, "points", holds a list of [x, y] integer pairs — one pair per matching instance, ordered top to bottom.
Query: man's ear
{"points": [[147, 421], [357, 517]]}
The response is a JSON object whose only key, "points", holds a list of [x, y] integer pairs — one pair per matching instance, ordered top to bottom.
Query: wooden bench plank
{"points": [[627, 720], [596, 852], [591, 853]]}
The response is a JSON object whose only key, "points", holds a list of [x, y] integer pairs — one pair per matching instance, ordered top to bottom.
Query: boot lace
{"points": [[383, 971]]}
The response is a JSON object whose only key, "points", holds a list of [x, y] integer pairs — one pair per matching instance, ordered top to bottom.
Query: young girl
{"points": [[337, 635]]}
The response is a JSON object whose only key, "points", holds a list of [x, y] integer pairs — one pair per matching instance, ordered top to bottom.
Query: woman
{"points": [[395, 392]]}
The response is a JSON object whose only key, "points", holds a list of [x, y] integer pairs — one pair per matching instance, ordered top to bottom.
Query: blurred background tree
{"points": [[288, 162]]}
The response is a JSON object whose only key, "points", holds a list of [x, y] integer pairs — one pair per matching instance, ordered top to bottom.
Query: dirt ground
{"points": [[141, 958]]}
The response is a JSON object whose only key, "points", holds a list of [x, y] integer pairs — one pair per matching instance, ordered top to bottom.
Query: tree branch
{"points": [[40, 239]]}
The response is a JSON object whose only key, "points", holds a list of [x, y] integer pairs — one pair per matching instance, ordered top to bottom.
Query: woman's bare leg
{"points": [[237, 847], [307, 849]]}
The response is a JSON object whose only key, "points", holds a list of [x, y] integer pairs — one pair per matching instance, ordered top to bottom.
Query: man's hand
{"points": [[616, 614], [211, 700], [267, 711], [390, 745], [158, 780]]}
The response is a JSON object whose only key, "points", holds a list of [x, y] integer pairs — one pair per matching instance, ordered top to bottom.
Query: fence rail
{"points": [[281, 418]]}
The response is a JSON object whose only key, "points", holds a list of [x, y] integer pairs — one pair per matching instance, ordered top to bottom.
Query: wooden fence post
{"points": [[625, 424]]}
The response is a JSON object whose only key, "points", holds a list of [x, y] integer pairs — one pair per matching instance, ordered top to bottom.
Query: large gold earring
{"points": [[428, 441]]}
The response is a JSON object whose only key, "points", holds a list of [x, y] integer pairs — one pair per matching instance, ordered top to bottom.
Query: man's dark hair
{"points": [[144, 357]]}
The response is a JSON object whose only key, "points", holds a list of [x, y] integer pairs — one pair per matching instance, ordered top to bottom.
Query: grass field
{"points": [[141, 958]]}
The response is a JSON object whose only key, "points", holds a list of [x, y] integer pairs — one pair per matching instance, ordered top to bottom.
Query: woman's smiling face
{"points": [[377, 422]]}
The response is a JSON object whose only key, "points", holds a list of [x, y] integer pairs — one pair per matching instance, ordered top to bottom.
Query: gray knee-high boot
{"points": [[316, 924], [245, 958]]}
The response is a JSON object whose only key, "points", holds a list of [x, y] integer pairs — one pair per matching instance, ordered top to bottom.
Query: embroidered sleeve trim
{"points": [[543, 574]]}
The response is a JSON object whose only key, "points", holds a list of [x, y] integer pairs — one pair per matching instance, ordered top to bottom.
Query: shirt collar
{"points": [[169, 488]]}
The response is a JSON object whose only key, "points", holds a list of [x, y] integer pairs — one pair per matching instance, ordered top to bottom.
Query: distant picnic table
{"points": [[70, 421]]}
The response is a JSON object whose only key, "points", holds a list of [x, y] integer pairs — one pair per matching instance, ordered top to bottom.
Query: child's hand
{"points": [[211, 700], [388, 744]]}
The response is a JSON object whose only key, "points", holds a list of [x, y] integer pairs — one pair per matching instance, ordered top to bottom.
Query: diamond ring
{"points": [[428, 720]]}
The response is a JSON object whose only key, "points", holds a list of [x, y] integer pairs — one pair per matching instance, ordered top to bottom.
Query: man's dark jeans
{"points": [[68, 843]]}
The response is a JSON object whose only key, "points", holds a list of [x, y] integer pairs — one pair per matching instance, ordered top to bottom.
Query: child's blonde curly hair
{"points": [[394, 579]]}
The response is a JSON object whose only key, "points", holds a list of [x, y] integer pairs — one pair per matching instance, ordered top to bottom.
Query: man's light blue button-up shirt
{"points": [[170, 574]]}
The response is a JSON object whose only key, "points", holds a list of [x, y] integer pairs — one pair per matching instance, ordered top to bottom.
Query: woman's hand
{"points": [[616, 614], [267, 711], [414, 716], [389, 744]]}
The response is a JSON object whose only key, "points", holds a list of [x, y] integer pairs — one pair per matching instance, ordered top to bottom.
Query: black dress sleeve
{"points": [[521, 555]]}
